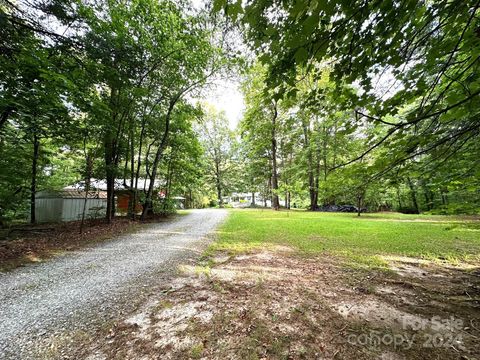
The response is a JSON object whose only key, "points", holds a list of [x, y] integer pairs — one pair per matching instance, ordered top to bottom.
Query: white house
{"points": [[237, 199]]}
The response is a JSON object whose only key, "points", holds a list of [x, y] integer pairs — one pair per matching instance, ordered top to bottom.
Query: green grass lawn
{"points": [[363, 239]]}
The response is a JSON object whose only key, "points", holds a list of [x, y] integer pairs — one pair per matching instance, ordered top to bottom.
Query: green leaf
{"points": [[219, 5], [233, 10], [310, 24], [270, 30], [301, 55]]}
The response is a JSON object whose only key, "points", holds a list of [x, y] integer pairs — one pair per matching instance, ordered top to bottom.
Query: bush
{"points": [[164, 207], [456, 209], [407, 210]]}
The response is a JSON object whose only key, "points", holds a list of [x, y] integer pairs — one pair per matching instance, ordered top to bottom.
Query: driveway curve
{"points": [[48, 305]]}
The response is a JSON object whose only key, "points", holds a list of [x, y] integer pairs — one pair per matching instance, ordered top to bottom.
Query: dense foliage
{"points": [[389, 88], [101, 90], [372, 104]]}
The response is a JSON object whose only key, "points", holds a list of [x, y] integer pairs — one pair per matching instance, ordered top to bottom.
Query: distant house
{"points": [[237, 199], [179, 202], [67, 205]]}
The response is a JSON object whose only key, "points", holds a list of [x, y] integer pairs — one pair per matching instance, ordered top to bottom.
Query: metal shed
{"points": [[67, 205]]}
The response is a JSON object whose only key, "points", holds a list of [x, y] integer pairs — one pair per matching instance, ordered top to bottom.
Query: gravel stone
{"points": [[48, 304]]}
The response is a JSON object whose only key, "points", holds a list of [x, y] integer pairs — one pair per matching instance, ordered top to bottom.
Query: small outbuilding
{"points": [[179, 202], [67, 205]]}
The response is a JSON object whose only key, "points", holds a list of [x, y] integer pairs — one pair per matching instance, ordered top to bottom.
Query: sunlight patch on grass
{"points": [[363, 240], [363, 262], [195, 270]]}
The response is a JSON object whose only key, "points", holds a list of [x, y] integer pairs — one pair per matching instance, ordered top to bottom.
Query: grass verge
{"points": [[362, 240], [275, 286]]}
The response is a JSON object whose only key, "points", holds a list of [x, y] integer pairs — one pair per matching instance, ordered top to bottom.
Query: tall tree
{"points": [[415, 63], [261, 123], [218, 143]]}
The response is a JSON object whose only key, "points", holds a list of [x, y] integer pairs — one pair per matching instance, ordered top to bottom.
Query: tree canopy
{"points": [[402, 73], [371, 104]]}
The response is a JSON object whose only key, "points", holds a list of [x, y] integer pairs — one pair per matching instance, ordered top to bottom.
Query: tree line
{"points": [[101, 90], [374, 104]]}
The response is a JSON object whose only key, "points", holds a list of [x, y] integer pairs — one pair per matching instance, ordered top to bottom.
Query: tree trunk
{"points": [[4, 116], [163, 143], [109, 156], [139, 161], [325, 164], [88, 176], [110, 177], [311, 179], [218, 181], [316, 185], [33, 186], [265, 194], [413, 194], [219, 195], [428, 196], [444, 196], [132, 198], [253, 198], [399, 198], [166, 199], [275, 201], [359, 204], [148, 205]]}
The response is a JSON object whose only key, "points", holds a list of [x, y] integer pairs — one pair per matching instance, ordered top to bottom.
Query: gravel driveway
{"points": [[48, 306]]}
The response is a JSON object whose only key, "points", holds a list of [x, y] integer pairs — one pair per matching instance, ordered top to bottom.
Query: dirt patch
{"points": [[29, 244], [275, 305]]}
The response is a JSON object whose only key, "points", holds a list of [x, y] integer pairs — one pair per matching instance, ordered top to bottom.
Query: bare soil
{"points": [[34, 243], [278, 305]]}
